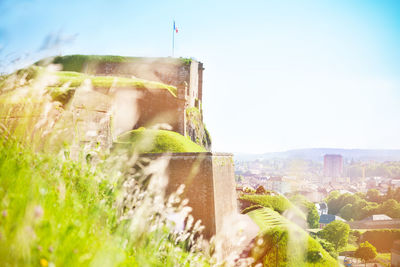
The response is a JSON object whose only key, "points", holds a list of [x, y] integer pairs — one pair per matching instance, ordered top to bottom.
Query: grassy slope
{"points": [[157, 141], [277, 203], [266, 219]]}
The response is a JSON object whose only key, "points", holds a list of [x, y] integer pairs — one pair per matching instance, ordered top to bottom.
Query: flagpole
{"points": [[173, 39]]}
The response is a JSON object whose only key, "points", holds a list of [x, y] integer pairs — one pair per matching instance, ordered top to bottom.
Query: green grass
{"points": [[80, 63], [76, 79], [67, 81], [157, 141], [277, 203], [59, 211], [266, 218], [294, 247], [349, 247]]}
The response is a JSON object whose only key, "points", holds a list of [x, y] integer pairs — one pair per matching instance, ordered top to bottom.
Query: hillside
{"points": [[317, 154], [292, 248]]}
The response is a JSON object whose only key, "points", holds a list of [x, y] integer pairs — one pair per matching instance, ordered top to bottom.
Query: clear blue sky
{"points": [[279, 74]]}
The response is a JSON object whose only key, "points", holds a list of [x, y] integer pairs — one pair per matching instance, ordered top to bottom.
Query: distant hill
{"points": [[317, 154]]}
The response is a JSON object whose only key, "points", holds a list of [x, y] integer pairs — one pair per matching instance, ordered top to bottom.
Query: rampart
{"points": [[209, 185]]}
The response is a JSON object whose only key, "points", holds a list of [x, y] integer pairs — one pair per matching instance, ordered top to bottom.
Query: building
{"points": [[333, 166], [278, 184], [322, 208], [378, 217], [326, 219], [376, 221]]}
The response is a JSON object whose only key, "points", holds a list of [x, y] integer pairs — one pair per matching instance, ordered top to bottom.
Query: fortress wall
{"points": [[166, 70], [187, 77], [194, 83], [200, 88], [159, 106], [91, 114], [209, 180], [224, 188]]}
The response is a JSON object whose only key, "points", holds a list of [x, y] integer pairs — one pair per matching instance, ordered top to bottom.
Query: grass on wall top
{"points": [[79, 62], [76, 79], [157, 141]]}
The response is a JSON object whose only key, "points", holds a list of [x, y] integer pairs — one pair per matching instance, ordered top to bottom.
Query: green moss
{"points": [[156, 141]]}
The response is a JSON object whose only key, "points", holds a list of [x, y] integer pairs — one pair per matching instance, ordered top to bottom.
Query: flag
{"points": [[175, 28]]}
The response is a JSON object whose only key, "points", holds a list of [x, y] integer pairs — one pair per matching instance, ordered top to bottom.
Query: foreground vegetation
{"points": [[60, 212]]}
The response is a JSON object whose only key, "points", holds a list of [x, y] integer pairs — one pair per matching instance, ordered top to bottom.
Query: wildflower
{"points": [[38, 211], [4, 213], [39, 247], [51, 249], [44, 262]]}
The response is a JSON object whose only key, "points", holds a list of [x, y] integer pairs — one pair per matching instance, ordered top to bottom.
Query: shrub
{"points": [[366, 252]]}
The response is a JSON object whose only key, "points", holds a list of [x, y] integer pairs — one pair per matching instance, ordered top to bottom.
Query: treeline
{"points": [[390, 169], [359, 206]]}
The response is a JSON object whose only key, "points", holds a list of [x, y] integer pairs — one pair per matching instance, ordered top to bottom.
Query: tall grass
{"points": [[57, 211], [61, 211]]}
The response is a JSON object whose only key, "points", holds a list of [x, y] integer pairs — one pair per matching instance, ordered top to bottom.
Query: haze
{"points": [[279, 74]]}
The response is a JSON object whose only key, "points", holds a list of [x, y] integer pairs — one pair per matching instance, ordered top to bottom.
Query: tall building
{"points": [[333, 165]]}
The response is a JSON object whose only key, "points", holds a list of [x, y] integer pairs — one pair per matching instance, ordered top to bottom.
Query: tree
{"points": [[260, 190], [373, 195], [307, 207], [391, 208], [347, 212], [312, 216], [337, 233], [366, 252]]}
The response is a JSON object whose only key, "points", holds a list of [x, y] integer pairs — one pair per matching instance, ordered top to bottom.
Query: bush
{"points": [[366, 252]]}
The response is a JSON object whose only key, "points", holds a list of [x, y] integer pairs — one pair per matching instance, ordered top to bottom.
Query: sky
{"points": [[279, 75]]}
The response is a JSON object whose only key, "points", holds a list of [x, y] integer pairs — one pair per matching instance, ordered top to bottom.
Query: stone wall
{"points": [[187, 76], [92, 117], [209, 181], [389, 224]]}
